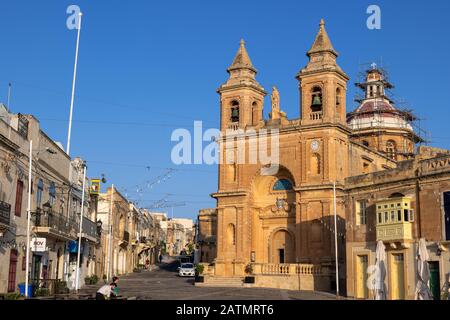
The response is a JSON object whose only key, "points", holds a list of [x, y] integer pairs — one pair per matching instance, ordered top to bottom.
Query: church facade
{"points": [[282, 224]]}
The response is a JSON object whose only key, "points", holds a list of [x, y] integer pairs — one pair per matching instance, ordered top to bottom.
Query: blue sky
{"points": [[147, 68]]}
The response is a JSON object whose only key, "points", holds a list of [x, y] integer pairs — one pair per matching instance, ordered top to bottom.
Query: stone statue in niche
{"points": [[276, 113]]}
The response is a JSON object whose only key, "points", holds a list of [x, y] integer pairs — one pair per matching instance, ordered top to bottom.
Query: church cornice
{"points": [[326, 70], [242, 85], [322, 186], [222, 194]]}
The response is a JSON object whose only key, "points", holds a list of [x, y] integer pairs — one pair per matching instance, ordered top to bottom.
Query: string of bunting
{"points": [[149, 184]]}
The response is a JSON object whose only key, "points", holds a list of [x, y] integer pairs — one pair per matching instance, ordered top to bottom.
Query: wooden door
{"points": [[362, 263], [12, 271], [397, 277], [435, 284]]}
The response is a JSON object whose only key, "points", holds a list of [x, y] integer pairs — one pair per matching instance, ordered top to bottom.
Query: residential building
{"points": [[55, 206], [398, 207], [114, 215], [207, 234]]}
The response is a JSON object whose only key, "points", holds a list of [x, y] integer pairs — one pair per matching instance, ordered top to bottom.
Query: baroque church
{"points": [[283, 224]]}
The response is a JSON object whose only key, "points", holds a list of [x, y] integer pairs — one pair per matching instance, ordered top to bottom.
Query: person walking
{"points": [[160, 258], [115, 280], [106, 291]]}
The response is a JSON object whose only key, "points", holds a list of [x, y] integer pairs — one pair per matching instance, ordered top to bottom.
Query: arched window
{"points": [[338, 97], [316, 99], [234, 111], [255, 113], [391, 149], [315, 164], [282, 184], [40, 190], [52, 193], [396, 195], [122, 222], [231, 234]]}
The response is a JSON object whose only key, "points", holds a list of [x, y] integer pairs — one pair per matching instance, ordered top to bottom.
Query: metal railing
{"points": [[5, 212], [54, 221], [89, 227], [47, 287]]}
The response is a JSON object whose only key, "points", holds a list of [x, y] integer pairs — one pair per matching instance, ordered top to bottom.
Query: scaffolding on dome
{"points": [[411, 121]]}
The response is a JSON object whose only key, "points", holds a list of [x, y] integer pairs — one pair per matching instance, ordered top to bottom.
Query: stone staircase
{"points": [[221, 282]]}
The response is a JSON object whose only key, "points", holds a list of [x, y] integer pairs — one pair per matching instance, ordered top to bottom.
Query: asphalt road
{"points": [[165, 284]]}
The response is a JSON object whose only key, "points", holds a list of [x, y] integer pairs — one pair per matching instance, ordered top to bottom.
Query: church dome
{"points": [[375, 106], [376, 110], [377, 113]]}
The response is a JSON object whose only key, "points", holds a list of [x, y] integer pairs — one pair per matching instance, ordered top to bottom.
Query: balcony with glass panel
{"points": [[395, 218], [90, 230]]}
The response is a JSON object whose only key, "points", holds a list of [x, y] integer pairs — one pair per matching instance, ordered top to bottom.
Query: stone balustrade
{"points": [[317, 115], [285, 268]]}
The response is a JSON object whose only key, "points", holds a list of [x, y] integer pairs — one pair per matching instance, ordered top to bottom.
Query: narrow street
{"points": [[164, 283]]}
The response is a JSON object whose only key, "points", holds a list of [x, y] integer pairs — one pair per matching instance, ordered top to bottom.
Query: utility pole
{"points": [[73, 84], [335, 240], [27, 266], [77, 276]]}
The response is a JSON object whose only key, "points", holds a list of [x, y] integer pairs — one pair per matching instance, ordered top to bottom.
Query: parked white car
{"points": [[186, 270]]}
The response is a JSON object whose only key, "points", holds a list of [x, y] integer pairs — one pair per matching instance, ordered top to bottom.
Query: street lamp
{"points": [[46, 207], [99, 227]]}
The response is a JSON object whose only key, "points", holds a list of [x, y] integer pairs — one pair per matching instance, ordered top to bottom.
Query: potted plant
{"points": [[199, 268], [249, 270], [104, 278], [94, 279], [87, 280], [61, 287], [42, 292], [12, 296]]}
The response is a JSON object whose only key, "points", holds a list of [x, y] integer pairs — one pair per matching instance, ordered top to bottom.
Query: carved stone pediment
{"points": [[278, 210]]}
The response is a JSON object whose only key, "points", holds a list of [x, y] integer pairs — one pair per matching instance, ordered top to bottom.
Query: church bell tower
{"points": [[322, 84], [241, 96]]}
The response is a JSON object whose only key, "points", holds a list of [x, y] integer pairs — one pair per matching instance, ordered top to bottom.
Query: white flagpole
{"points": [[73, 84], [110, 227], [335, 239], [27, 266], [77, 275]]}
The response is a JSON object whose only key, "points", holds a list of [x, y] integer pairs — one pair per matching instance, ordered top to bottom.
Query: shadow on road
{"points": [[171, 266]]}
